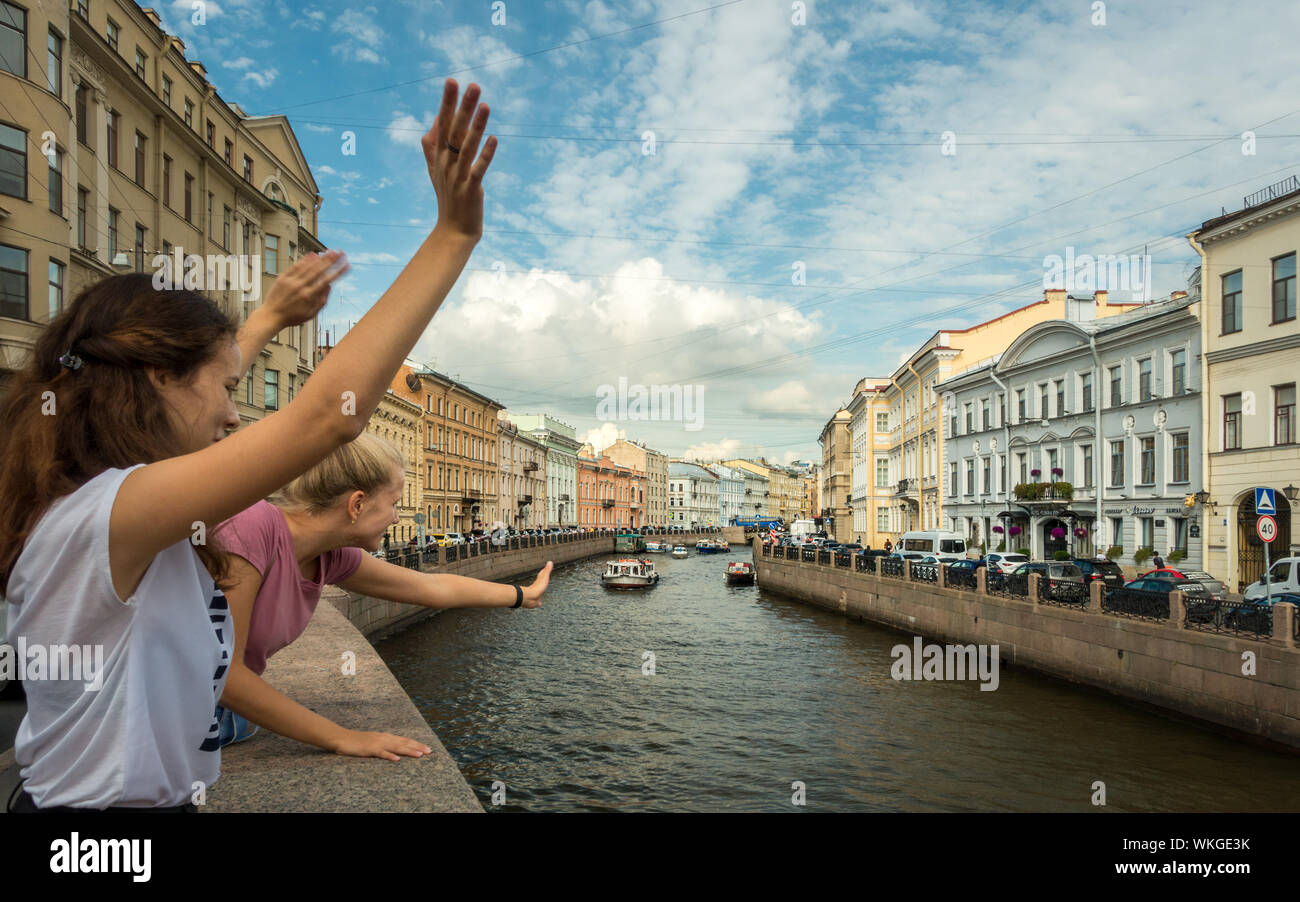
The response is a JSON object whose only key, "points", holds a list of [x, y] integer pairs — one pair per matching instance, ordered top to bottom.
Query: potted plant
{"points": [[1035, 473], [1056, 473], [1014, 531], [1058, 532], [1080, 532], [1024, 551], [1114, 552], [1061, 555], [1141, 556], [1175, 556]]}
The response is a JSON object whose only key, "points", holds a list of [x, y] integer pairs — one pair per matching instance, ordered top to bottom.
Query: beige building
{"points": [[119, 150], [1250, 339], [916, 410], [401, 422], [459, 451], [654, 464], [837, 482], [872, 485], [782, 491], [521, 500]]}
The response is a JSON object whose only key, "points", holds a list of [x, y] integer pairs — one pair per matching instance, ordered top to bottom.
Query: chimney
{"points": [[153, 16], [1054, 295], [1101, 297]]}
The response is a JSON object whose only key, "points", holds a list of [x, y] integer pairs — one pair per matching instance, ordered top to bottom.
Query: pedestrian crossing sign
{"points": [[1265, 501]]}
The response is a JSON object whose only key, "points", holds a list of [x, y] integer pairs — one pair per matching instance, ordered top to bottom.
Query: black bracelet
{"points": [[519, 597]]}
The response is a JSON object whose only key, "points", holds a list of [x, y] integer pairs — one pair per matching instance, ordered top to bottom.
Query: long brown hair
{"points": [[108, 414]]}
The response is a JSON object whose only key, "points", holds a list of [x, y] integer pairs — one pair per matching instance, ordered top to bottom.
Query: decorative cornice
{"points": [[1281, 343]]}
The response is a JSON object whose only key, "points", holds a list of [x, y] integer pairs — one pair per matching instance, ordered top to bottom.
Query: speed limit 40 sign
{"points": [[1266, 528]]}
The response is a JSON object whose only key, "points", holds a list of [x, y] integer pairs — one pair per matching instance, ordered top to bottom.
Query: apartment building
{"points": [[117, 150], [1251, 340], [400, 421], [561, 443], [652, 463], [837, 467], [870, 480], [610, 495], [692, 495], [521, 500]]}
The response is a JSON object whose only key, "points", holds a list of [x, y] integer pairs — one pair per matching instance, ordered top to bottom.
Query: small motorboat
{"points": [[722, 545], [706, 546], [658, 547], [680, 551], [630, 573], [740, 573]]}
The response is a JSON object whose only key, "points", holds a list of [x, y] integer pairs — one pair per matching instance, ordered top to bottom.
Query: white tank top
{"points": [[148, 734]]}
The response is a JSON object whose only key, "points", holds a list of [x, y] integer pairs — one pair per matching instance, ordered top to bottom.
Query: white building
{"points": [[1082, 435], [561, 442], [731, 493], [692, 495]]}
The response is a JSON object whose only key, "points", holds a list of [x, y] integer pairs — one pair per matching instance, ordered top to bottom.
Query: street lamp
{"points": [[121, 260], [1291, 492]]}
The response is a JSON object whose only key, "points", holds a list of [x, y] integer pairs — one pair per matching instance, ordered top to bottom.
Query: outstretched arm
{"points": [[296, 297], [159, 504], [380, 579]]}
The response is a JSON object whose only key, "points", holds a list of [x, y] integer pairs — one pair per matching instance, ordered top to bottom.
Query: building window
{"points": [[83, 9], [112, 32], [13, 39], [140, 61], [54, 67], [167, 91], [79, 99], [189, 112], [113, 118], [212, 134], [141, 149], [229, 154], [13, 161], [248, 169], [167, 181], [56, 182], [189, 198], [83, 201], [225, 227], [112, 233], [139, 247], [271, 254], [13, 282], [56, 288], [1284, 288], [1232, 302], [1178, 368], [293, 379], [1144, 379], [1116, 386], [248, 388], [1085, 390], [271, 395], [1042, 400], [1020, 405], [1284, 414], [970, 419], [882, 422], [1231, 422], [1180, 444], [1148, 452], [1051, 461], [1117, 464], [1023, 466], [1087, 466], [882, 471], [988, 475], [970, 477], [952, 479], [882, 519], [1147, 526], [1117, 530]]}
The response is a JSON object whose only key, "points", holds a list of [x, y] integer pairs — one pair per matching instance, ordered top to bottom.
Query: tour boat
{"points": [[705, 546], [658, 547], [680, 551], [630, 573], [740, 573]]}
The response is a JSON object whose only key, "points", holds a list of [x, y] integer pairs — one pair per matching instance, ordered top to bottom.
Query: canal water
{"points": [[753, 691]]}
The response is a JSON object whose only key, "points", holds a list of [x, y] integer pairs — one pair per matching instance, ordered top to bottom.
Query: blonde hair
{"points": [[367, 464]]}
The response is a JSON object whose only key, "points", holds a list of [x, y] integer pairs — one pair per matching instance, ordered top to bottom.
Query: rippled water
{"points": [[753, 691]]}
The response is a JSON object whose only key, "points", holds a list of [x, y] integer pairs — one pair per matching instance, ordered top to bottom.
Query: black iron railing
{"points": [[809, 555], [823, 555], [843, 559], [865, 563], [891, 566], [925, 573], [960, 578], [1012, 588], [1062, 592], [1142, 604], [1237, 618]]}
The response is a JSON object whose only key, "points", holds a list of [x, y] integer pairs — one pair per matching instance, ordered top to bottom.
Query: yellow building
{"points": [[126, 153], [1250, 339], [916, 411], [401, 422], [654, 464], [837, 476], [783, 496]]}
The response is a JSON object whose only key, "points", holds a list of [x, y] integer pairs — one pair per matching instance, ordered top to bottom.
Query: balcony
{"points": [[530, 467], [1050, 493], [471, 496], [564, 497], [525, 499], [607, 502]]}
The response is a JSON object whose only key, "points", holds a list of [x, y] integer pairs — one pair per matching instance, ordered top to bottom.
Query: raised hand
{"points": [[456, 168], [301, 292], [534, 591]]}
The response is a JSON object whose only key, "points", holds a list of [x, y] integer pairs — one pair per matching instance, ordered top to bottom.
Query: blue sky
{"points": [[779, 147]]}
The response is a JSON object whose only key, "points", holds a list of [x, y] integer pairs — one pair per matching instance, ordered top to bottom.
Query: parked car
{"points": [[851, 547], [1007, 562], [1094, 569], [1057, 579], [1284, 579], [1201, 608], [1256, 615]]}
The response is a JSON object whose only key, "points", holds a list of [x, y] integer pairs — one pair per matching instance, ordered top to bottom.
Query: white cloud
{"points": [[363, 37], [243, 62], [262, 79], [602, 436]]}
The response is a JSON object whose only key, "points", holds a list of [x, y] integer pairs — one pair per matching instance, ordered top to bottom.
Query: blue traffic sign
{"points": [[1265, 501]]}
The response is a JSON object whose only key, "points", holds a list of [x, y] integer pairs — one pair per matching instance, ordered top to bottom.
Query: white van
{"points": [[801, 528], [946, 546], [1284, 577]]}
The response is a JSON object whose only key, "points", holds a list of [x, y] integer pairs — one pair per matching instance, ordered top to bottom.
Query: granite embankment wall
{"points": [[1160, 662]]}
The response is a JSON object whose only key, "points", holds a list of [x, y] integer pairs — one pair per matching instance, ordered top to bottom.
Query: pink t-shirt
{"points": [[287, 599]]}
